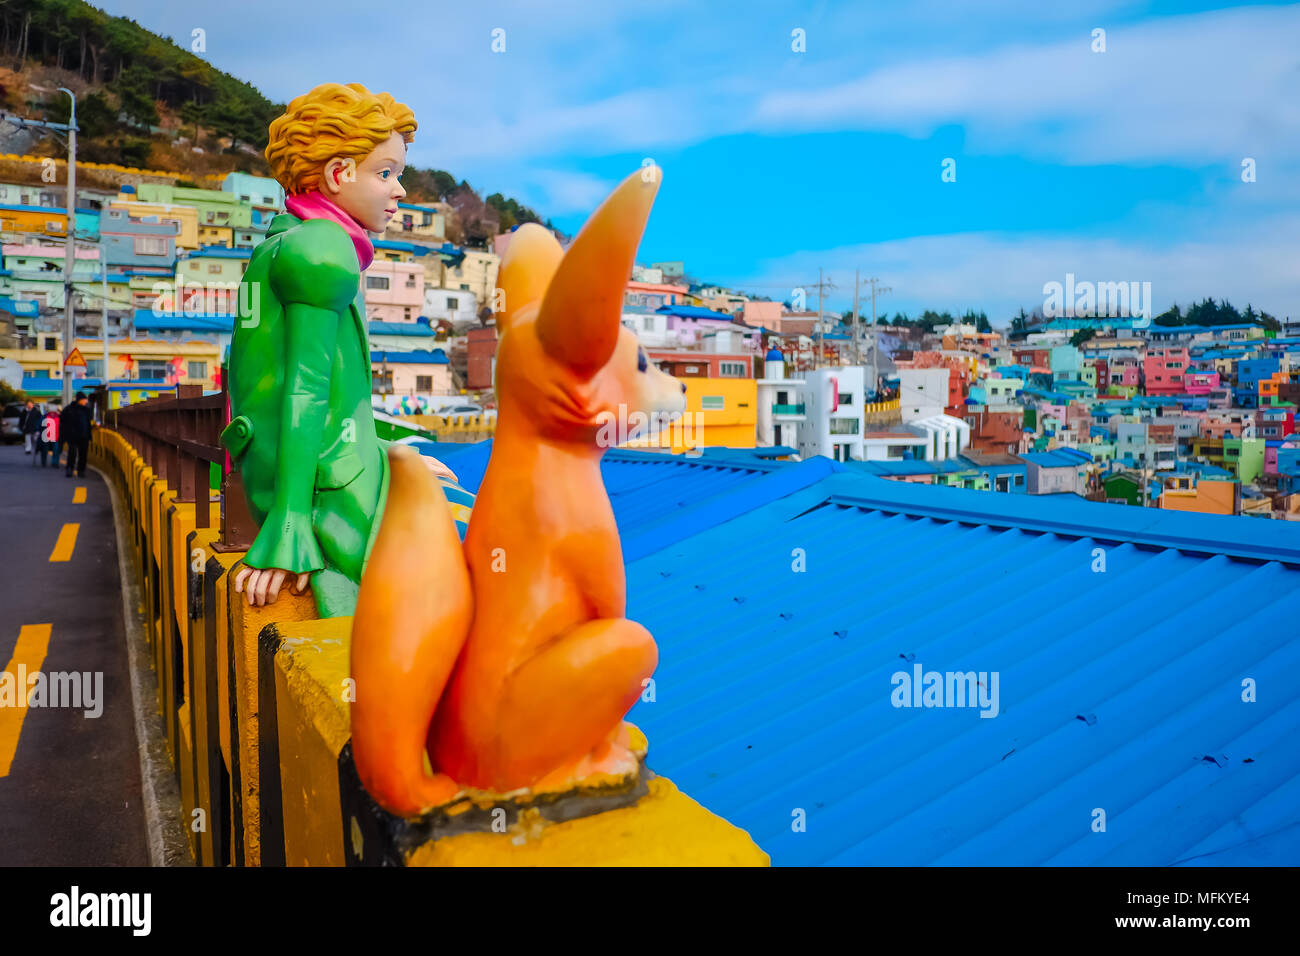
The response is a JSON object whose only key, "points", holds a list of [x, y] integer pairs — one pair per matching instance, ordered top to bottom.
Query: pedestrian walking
{"points": [[29, 425], [74, 428], [45, 432]]}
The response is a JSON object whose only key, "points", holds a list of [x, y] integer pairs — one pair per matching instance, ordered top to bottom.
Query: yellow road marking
{"points": [[79, 495], [67, 541], [33, 642]]}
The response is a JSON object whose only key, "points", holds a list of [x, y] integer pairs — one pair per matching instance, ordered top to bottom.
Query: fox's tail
{"points": [[412, 617]]}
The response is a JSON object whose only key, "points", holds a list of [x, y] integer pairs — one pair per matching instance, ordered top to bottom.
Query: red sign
{"points": [[74, 359]]}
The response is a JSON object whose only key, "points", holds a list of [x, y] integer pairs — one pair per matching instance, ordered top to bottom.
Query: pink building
{"points": [[394, 291], [1165, 371], [1124, 372], [1202, 383]]}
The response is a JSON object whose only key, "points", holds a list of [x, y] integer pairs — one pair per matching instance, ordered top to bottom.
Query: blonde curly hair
{"points": [[332, 120]]}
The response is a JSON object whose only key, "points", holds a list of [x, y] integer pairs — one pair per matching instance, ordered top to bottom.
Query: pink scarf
{"points": [[314, 205]]}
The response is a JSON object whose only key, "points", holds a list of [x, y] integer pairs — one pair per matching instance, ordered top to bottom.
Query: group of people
{"points": [[46, 433]]}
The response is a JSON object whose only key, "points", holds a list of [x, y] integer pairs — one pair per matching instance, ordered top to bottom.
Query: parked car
{"points": [[9, 430]]}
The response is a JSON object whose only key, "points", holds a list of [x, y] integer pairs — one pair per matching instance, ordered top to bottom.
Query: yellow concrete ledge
{"points": [[664, 828]]}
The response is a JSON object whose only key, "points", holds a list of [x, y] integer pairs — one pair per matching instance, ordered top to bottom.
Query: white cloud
{"points": [[1204, 87]]}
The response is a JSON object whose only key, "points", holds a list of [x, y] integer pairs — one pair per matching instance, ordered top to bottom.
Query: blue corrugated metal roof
{"points": [[693, 312], [146, 320], [417, 328], [413, 357], [1056, 458], [773, 692]]}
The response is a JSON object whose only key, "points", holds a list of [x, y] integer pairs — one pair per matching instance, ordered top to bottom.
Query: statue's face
{"points": [[368, 190]]}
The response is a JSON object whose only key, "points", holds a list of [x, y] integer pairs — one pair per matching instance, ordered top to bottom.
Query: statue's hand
{"points": [[438, 468], [264, 584]]}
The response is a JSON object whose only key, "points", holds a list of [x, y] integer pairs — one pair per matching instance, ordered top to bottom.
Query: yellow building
{"points": [[186, 218], [42, 221], [216, 236], [476, 273], [199, 361], [720, 412]]}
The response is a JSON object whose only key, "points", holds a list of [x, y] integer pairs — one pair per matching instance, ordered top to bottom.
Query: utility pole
{"points": [[70, 253], [823, 285], [103, 320], [875, 368]]}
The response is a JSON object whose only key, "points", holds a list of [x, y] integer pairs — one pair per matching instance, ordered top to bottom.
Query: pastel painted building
{"points": [[264, 196], [220, 213], [184, 218], [48, 220], [137, 246], [207, 281], [394, 291], [1164, 371], [1250, 372], [419, 374], [1201, 383], [779, 410], [836, 413], [1275, 423], [1062, 471], [1004, 473], [1194, 492]]}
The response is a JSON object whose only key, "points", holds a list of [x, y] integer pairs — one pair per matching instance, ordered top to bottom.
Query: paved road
{"points": [[69, 784]]}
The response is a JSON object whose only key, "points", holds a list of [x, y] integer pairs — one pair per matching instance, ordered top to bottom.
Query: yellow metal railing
{"points": [[873, 408]]}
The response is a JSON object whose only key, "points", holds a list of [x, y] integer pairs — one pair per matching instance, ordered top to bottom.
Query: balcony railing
{"points": [[788, 409]]}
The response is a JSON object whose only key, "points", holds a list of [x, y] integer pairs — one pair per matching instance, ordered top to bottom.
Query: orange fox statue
{"points": [[508, 661]]}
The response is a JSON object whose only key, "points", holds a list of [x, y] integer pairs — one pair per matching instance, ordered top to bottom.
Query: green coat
{"points": [[302, 433]]}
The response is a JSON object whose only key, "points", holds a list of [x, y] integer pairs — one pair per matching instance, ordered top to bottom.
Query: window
{"points": [[244, 198], [146, 246], [214, 268], [410, 281], [376, 282], [464, 286], [453, 303], [406, 314], [648, 323], [50, 345], [95, 368], [151, 368], [198, 369], [731, 369], [381, 383], [424, 383], [712, 402], [844, 426], [1020, 480], [1003, 482]]}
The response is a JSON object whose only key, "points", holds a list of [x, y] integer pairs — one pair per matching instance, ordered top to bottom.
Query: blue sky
{"points": [[1123, 165]]}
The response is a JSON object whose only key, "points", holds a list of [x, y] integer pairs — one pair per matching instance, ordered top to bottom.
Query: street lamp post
{"points": [[70, 252]]}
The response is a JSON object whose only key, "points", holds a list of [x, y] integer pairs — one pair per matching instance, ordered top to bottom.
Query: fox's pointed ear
{"points": [[531, 258], [583, 308]]}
